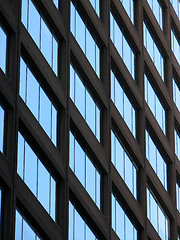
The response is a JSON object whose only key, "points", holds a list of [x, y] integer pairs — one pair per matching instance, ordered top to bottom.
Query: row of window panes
{"points": [[96, 6], [176, 6], [129, 7], [157, 10], [40, 33], [85, 40], [175, 45], [122, 46], [3, 49], [153, 51], [176, 94], [38, 102], [85, 103], [123, 104], [155, 104], [2, 114], [177, 143], [157, 162], [123, 164], [85, 170], [36, 176], [157, 217], [121, 224], [78, 229], [23, 231]]}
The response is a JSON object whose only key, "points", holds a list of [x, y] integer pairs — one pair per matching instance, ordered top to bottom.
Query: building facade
{"points": [[90, 119]]}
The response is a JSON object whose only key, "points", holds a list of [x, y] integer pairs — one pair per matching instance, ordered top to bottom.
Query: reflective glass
{"points": [[56, 3], [96, 6], [176, 6], [129, 7], [157, 10], [40, 33], [85, 39], [175, 45], [122, 46], [3, 49], [153, 51], [38, 102], [85, 103], [123, 104], [155, 104], [2, 113], [177, 143], [156, 160], [123, 164], [85, 170], [36, 176], [178, 195], [0, 212], [157, 216], [121, 223], [78, 229], [23, 231]]}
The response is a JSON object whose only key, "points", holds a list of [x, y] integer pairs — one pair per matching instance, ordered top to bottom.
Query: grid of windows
{"points": [[176, 6], [157, 10], [40, 32], [85, 40], [175, 45], [122, 46], [3, 49], [154, 51], [176, 94], [38, 102], [85, 103], [123, 104], [155, 104], [2, 114], [156, 160], [123, 164], [85, 170], [33, 172], [157, 216], [121, 224], [78, 228], [23, 230]]}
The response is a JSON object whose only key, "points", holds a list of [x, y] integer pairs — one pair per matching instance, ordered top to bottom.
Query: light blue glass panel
{"points": [[56, 3], [96, 5], [176, 6], [129, 7], [157, 10], [24, 12], [73, 20], [34, 23], [80, 32], [118, 37], [46, 42], [175, 46], [3, 49], [90, 49], [127, 54], [55, 56], [22, 83], [72, 84], [112, 86], [32, 94], [80, 96], [119, 97], [45, 112], [90, 112], [127, 112], [98, 124], [54, 125], [1, 129], [71, 152], [152, 153], [20, 156], [120, 158], [80, 163], [128, 173], [30, 175], [90, 178], [43, 186], [98, 189], [53, 199], [113, 210], [154, 212], [71, 221], [120, 221], [161, 224], [79, 227], [18, 229], [129, 229], [28, 233]]}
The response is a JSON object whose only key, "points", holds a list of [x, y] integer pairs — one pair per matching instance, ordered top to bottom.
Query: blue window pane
{"points": [[56, 3], [95, 4], [176, 6], [129, 7], [157, 10], [24, 13], [73, 20], [80, 35], [46, 42], [175, 45], [90, 49], [3, 50], [127, 54], [55, 56], [22, 84], [72, 84], [112, 86], [80, 96], [119, 97], [90, 112], [98, 123], [54, 125], [1, 129], [71, 152], [20, 156], [120, 158], [80, 163], [129, 173], [90, 178], [98, 189], [53, 199], [113, 210], [154, 213], [71, 221], [120, 221], [79, 227], [18, 229], [129, 229], [28, 233]]}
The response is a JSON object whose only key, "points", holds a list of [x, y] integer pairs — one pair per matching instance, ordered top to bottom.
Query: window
{"points": [[56, 3], [96, 6], [176, 6], [129, 7], [157, 10], [40, 32], [85, 40], [175, 45], [122, 46], [3, 49], [153, 51], [176, 94], [38, 102], [85, 103], [123, 104], [154, 104], [2, 122], [177, 143], [156, 160], [123, 164], [85, 170], [39, 180], [178, 195], [0, 213], [157, 216], [121, 224], [78, 229], [23, 230]]}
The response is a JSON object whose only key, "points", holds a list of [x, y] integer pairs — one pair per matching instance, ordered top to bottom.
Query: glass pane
{"points": [[24, 12], [73, 20], [34, 23], [80, 32], [90, 49], [3, 52], [126, 54], [55, 56], [22, 84], [80, 96], [119, 97], [90, 111], [127, 112], [98, 123], [54, 125], [1, 129], [71, 152], [20, 158], [119, 161], [79, 163], [128, 173], [90, 178], [98, 189], [53, 199], [71, 221], [120, 223], [79, 227], [129, 229], [18, 230], [28, 233]]}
